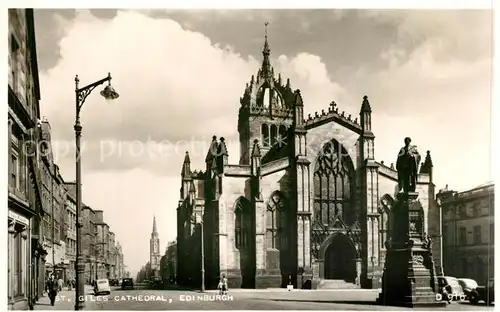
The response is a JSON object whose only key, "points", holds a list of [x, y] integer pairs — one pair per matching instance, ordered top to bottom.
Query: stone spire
{"points": [[266, 70], [365, 106], [256, 149], [427, 165], [186, 166], [154, 226]]}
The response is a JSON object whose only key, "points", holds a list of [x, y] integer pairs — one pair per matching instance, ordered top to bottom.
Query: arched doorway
{"points": [[244, 241], [340, 259]]}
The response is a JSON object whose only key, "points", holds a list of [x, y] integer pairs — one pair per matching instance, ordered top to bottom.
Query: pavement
{"points": [[237, 299], [65, 300]]}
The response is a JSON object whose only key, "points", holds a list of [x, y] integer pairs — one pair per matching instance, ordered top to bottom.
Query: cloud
{"points": [[178, 88]]}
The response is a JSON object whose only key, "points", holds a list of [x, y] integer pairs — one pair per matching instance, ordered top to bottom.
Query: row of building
{"points": [[41, 205], [468, 232], [168, 264]]}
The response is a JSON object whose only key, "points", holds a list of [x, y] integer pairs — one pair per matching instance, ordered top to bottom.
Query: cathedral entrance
{"points": [[340, 259]]}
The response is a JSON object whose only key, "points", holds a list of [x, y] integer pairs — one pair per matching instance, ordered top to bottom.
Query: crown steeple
{"points": [[266, 70]]}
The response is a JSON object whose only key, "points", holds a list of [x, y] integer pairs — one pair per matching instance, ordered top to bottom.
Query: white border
{"points": [[199, 4]]}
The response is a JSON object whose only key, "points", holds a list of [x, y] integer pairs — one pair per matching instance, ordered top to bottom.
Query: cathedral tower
{"points": [[266, 110], [154, 251]]}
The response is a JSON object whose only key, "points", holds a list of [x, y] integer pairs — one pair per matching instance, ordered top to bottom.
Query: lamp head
{"points": [[109, 93]]}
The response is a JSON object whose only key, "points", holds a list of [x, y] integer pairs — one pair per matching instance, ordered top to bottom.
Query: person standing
{"points": [[60, 281], [52, 289]]}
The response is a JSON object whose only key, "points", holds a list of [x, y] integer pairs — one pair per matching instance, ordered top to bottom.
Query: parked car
{"points": [[155, 282], [127, 283], [452, 286], [102, 287], [469, 287], [486, 293]]}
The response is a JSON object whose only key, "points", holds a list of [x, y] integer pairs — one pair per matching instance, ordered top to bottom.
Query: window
{"points": [[14, 48], [282, 133], [274, 134], [265, 135], [333, 176], [14, 179], [476, 210], [462, 211], [243, 221], [237, 226], [492, 232], [444, 234], [477, 234], [463, 236], [276, 237], [18, 265], [465, 267]]}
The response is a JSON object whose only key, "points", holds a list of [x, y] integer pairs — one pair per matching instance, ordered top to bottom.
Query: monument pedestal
{"points": [[409, 277]]}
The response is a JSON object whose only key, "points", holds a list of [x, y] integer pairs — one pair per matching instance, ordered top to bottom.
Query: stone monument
{"points": [[409, 277]]}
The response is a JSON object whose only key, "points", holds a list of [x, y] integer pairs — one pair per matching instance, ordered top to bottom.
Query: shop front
{"points": [[19, 261]]}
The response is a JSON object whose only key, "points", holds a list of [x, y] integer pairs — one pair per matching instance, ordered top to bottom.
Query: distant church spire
{"points": [[266, 70], [154, 225], [154, 251]]}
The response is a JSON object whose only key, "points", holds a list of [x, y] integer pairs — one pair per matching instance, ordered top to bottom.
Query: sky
{"points": [[180, 75]]}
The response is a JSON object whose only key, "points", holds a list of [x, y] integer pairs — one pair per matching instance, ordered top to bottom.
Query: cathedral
{"points": [[307, 205], [154, 251]]}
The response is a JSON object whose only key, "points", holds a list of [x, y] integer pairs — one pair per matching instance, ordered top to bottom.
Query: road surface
{"points": [[148, 300]]}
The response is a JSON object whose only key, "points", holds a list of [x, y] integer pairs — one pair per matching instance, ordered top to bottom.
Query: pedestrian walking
{"points": [[222, 287], [52, 289]]}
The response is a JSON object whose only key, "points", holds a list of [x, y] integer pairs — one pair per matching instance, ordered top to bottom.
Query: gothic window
{"points": [[267, 98], [282, 133], [274, 134], [265, 135], [333, 179], [385, 221], [242, 223], [276, 230]]}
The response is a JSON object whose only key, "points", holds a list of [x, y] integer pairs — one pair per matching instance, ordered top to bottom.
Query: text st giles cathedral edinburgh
{"points": [[307, 205]]}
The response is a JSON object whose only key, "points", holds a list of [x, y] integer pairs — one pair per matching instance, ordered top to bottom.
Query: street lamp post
{"points": [[81, 96], [440, 207], [202, 248]]}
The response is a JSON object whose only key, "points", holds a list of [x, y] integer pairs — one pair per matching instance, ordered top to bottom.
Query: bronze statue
{"points": [[407, 167]]}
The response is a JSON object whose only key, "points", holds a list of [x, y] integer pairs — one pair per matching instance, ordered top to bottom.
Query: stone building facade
{"points": [[54, 197], [307, 204], [70, 231], [468, 232], [101, 244], [89, 247], [99, 247], [154, 251], [25, 262], [168, 265], [120, 269]]}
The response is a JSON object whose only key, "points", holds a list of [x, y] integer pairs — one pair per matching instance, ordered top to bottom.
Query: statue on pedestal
{"points": [[407, 167], [409, 277]]}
